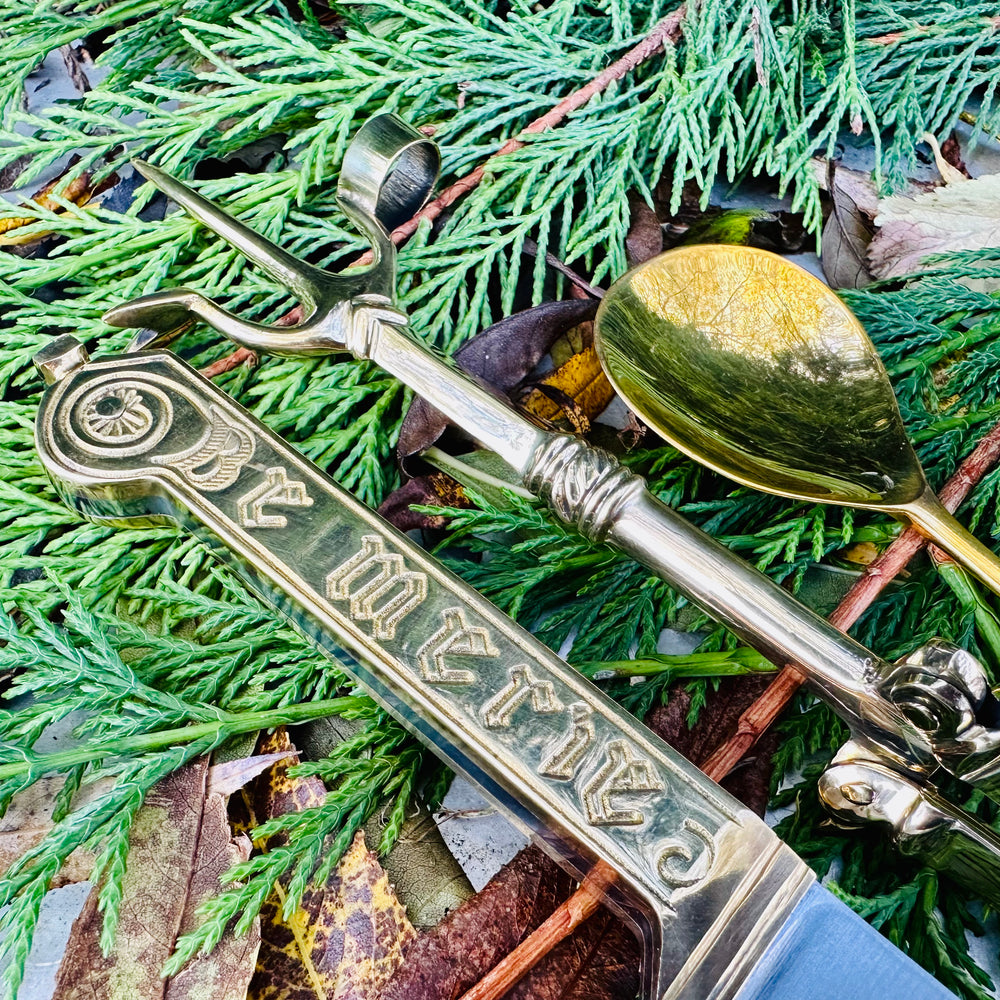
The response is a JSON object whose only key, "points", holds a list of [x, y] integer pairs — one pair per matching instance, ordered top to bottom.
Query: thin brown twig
{"points": [[233, 360], [752, 725]]}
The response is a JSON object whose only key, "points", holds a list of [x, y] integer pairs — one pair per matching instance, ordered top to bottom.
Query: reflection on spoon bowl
{"points": [[754, 367]]}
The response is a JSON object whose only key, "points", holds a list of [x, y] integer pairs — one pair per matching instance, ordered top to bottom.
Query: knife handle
{"points": [[144, 439]]}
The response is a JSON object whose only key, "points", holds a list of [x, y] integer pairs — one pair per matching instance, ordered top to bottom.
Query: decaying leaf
{"points": [[951, 153], [948, 158], [79, 191], [961, 216], [849, 228], [645, 233], [573, 341], [499, 357], [577, 391], [436, 489], [860, 553], [717, 720], [276, 792], [29, 818], [180, 847], [424, 873], [427, 879], [347, 937], [345, 941], [599, 960], [444, 962]]}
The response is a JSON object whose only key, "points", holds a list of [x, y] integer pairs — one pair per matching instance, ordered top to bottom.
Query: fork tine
{"points": [[302, 278]]}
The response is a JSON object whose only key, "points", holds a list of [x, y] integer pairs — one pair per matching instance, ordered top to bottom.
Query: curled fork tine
{"points": [[388, 172], [325, 296]]}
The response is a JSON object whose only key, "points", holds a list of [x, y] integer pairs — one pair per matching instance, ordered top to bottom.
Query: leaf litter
{"points": [[180, 847]]}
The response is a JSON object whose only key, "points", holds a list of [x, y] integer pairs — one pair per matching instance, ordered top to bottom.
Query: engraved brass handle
{"points": [[143, 438]]}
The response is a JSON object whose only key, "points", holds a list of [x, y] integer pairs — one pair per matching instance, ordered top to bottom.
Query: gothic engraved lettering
{"points": [[216, 460], [276, 489], [378, 586], [456, 637], [523, 688], [563, 761], [622, 772], [686, 863]]}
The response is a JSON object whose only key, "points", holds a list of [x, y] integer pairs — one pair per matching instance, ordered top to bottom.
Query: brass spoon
{"points": [[755, 368]]}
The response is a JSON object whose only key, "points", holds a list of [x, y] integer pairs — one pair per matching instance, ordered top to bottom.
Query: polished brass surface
{"points": [[752, 366], [144, 439], [586, 487], [859, 791]]}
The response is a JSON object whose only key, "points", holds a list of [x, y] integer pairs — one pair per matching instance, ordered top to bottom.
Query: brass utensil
{"points": [[755, 368], [143, 439]]}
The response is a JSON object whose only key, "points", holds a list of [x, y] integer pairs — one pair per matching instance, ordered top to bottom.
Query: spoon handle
{"points": [[592, 491], [931, 518]]}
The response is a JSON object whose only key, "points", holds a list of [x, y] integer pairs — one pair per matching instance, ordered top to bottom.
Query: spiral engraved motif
{"points": [[118, 417], [585, 486], [682, 865]]}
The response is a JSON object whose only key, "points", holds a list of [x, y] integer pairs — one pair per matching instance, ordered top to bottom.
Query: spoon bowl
{"points": [[754, 367]]}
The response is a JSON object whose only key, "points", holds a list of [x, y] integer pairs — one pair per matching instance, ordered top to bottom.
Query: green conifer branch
{"points": [[174, 648]]}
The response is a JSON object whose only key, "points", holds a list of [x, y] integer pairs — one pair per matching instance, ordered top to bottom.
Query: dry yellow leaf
{"points": [[79, 192], [576, 391], [862, 553], [348, 936], [343, 943]]}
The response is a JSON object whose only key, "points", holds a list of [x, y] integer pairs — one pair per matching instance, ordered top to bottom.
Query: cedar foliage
{"points": [[165, 655]]}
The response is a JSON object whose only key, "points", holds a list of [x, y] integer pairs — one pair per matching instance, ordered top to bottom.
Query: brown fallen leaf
{"points": [[951, 153], [79, 191], [849, 228], [644, 239], [499, 358], [577, 392], [436, 489], [751, 782], [29, 818], [181, 845], [424, 873], [347, 937], [601, 960], [444, 962]]}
